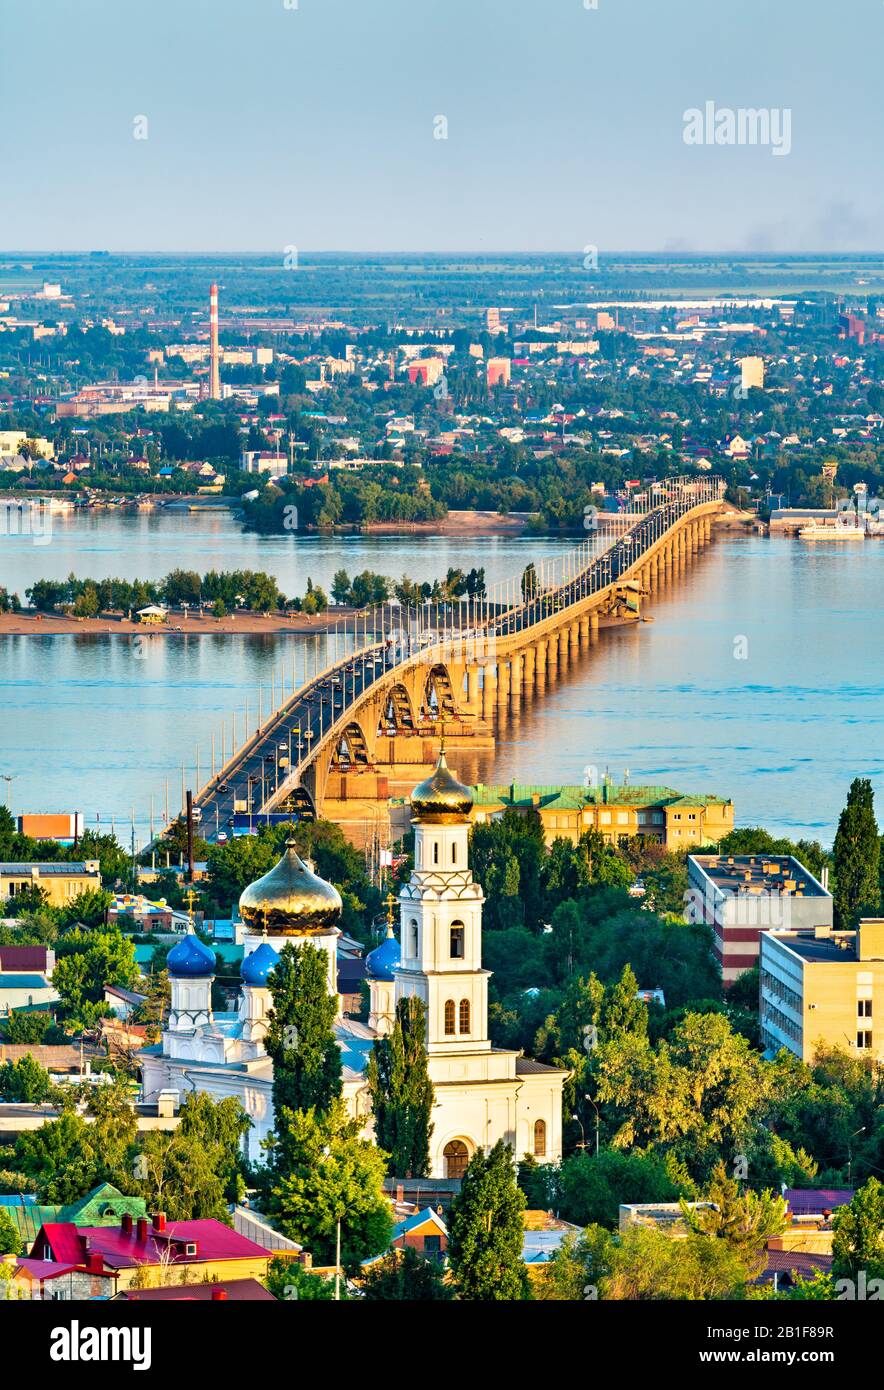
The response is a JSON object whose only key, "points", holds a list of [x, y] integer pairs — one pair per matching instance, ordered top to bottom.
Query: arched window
{"points": [[435, 851], [454, 853], [412, 926], [456, 934], [464, 1016], [449, 1018], [540, 1138]]}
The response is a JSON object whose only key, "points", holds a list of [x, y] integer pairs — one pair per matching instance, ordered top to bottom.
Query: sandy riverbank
{"points": [[455, 524], [28, 624]]}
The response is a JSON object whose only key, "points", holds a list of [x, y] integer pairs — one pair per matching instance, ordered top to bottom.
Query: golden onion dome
{"points": [[441, 798], [291, 899]]}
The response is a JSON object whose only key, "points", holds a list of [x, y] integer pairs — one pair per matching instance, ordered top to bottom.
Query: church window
{"points": [[435, 851], [454, 853], [412, 926], [456, 941], [464, 1016], [449, 1018], [540, 1138]]}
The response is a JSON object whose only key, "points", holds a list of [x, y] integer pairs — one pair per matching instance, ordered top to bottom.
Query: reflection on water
{"points": [[89, 723]]}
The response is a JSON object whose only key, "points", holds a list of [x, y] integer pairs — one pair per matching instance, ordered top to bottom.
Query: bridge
{"points": [[366, 725]]}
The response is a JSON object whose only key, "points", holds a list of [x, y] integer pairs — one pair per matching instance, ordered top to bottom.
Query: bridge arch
{"points": [[439, 692], [397, 713], [351, 749]]}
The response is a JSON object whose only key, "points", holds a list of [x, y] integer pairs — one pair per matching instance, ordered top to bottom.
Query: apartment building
{"points": [[743, 895], [823, 988]]}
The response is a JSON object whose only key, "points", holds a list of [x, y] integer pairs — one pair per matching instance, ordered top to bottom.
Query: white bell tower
{"points": [[440, 912]]}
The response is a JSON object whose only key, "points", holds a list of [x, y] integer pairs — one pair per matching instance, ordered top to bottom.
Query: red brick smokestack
{"points": [[214, 358]]}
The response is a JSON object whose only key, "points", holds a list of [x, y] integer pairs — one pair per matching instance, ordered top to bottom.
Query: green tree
{"points": [[341, 590], [857, 853], [87, 961], [22, 1026], [300, 1035], [24, 1081], [402, 1092], [222, 1124], [60, 1158], [323, 1173], [179, 1174], [540, 1184], [593, 1185], [745, 1219], [486, 1230], [10, 1240], [858, 1240], [647, 1264], [577, 1267], [405, 1276], [288, 1281]]}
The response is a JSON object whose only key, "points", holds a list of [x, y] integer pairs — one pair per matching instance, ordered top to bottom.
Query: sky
{"points": [[317, 124]]}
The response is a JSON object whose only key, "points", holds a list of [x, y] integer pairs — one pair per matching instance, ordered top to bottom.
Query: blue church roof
{"points": [[190, 958], [383, 960], [258, 965]]}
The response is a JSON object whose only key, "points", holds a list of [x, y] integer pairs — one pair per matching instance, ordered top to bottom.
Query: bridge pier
{"points": [[594, 625], [584, 631], [574, 639], [563, 647], [552, 654], [529, 660], [515, 679], [503, 683], [473, 693], [489, 693]]}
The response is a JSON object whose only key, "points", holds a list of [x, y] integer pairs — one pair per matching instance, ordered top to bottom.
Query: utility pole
{"points": [[189, 800]]}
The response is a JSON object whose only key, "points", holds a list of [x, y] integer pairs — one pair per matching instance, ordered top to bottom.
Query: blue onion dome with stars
{"points": [[191, 958], [381, 963], [258, 964]]}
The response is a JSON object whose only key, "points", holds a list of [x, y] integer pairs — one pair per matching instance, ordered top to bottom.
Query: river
{"points": [[759, 679]]}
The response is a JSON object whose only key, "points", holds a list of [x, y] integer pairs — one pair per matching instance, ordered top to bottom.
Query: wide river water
{"points": [[760, 678]]}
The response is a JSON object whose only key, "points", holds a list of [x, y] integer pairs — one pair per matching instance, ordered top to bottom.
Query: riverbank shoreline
{"points": [[31, 624]]}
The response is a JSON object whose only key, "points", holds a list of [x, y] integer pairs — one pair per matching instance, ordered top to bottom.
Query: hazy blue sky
{"points": [[313, 126]]}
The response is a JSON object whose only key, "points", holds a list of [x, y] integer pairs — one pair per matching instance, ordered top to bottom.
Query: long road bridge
{"points": [[370, 720]]}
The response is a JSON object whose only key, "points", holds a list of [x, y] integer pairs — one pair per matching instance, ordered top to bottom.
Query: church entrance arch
{"points": [[456, 1155]]}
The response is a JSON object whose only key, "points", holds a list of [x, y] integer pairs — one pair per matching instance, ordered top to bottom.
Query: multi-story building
{"points": [[425, 371], [498, 371], [751, 373], [656, 814], [60, 882], [743, 895], [823, 988]]}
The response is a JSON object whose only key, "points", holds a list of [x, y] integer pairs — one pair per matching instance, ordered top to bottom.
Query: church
{"points": [[482, 1093]]}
